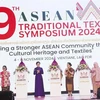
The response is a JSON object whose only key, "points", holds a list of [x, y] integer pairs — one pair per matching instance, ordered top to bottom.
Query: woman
{"points": [[69, 72], [95, 76], [5, 82], [39, 88]]}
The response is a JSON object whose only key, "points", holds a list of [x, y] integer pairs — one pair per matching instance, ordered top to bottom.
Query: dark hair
{"points": [[37, 62], [69, 63], [5, 67]]}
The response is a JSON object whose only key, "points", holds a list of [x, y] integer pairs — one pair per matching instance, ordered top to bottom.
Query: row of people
{"points": [[95, 77], [39, 87]]}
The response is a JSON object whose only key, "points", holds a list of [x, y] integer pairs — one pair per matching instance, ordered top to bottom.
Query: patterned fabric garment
{"points": [[68, 74], [69, 79], [5, 82]]}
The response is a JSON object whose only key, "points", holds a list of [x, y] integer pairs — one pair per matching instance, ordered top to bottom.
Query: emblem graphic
{"points": [[91, 8]]}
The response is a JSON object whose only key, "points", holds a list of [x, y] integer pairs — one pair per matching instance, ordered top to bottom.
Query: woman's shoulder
{"points": [[35, 68], [38, 68], [41, 68], [72, 69], [1, 72], [8, 72]]}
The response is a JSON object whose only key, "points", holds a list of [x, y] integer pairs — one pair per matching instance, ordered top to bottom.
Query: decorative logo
{"points": [[91, 8], [83, 75], [54, 76], [21, 78]]}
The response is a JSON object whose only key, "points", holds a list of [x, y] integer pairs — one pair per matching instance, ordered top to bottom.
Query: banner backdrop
{"points": [[39, 30]]}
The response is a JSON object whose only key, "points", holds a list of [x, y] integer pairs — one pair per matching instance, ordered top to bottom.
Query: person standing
{"points": [[69, 73], [95, 77], [5, 81], [39, 87]]}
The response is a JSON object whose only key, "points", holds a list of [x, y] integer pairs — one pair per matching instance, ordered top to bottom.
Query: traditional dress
{"points": [[95, 76], [69, 79], [5, 82], [39, 87]]}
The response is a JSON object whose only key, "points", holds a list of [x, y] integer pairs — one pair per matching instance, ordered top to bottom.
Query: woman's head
{"points": [[38, 64], [69, 64], [96, 65], [4, 68]]}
